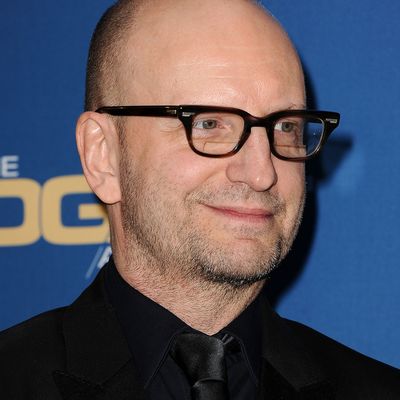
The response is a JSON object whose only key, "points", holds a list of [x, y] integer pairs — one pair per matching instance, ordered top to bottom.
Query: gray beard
{"points": [[218, 271]]}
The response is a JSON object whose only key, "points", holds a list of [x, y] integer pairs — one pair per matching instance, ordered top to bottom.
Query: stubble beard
{"points": [[156, 242]]}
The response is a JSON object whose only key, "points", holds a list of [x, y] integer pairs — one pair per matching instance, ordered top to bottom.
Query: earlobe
{"points": [[98, 148]]}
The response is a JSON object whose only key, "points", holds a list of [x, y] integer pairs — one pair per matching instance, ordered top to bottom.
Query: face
{"points": [[229, 220]]}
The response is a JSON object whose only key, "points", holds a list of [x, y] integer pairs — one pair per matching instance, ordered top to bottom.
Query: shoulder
{"points": [[43, 330], [41, 339], [29, 352], [352, 371]]}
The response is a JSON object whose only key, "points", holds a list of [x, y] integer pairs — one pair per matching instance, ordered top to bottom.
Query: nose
{"points": [[253, 164]]}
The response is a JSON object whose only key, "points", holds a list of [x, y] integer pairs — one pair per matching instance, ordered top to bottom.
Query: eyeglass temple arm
{"points": [[145, 111]]}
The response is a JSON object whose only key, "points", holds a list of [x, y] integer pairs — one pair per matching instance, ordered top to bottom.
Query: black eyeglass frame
{"points": [[186, 114]]}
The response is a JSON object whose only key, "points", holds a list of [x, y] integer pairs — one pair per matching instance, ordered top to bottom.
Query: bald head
{"points": [[137, 41]]}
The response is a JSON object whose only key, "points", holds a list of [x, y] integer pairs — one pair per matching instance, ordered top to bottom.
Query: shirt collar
{"points": [[150, 328], [247, 329]]}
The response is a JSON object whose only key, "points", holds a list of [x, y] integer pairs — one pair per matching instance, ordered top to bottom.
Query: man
{"points": [[204, 200]]}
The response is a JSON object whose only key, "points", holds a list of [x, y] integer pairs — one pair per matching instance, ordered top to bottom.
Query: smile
{"points": [[244, 214]]}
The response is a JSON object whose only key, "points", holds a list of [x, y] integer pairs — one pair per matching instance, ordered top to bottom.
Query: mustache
{"points": [[239, 194]]}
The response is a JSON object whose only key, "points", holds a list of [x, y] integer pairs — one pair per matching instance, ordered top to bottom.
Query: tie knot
{"points": [[202, 357]]}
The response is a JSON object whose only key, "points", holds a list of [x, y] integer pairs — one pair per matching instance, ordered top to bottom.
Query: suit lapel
{"points": [[98, 361], [288, 371], [122, 386]]}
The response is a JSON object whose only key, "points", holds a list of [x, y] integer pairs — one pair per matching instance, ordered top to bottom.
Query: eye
{"points": [[205, 124], [286, 126]]}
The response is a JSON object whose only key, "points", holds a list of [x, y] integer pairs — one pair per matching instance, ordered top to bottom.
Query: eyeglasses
{"points": [[211, 131]]}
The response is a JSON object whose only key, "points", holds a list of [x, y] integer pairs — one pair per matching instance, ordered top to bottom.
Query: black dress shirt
{"points": [[150, 329]]}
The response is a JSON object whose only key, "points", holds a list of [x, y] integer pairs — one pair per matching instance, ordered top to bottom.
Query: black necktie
{"points": [[202, 358]]}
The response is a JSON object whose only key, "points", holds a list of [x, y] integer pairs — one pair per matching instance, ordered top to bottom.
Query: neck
{"points": [[205, 306]]}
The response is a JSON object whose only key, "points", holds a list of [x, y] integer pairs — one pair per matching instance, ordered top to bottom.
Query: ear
{"points": [[98, 147]]}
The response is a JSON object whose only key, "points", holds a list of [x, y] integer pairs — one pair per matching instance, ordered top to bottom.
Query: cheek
{"points": [[159, 151], [174, 172], [290, 173], [184, 174], [291, 183]]}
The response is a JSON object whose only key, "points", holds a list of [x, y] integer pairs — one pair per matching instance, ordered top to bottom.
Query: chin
{"points": [[240, 267], [236, 279]]}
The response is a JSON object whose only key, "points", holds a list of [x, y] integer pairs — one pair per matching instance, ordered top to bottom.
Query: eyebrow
{"points": [[293, 106]]}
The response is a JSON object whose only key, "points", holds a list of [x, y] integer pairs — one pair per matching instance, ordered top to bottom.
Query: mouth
{"points": [[243, 214]]}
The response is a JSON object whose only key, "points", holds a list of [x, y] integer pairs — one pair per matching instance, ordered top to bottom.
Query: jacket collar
{"points": [[92, 332], [289, 370]]}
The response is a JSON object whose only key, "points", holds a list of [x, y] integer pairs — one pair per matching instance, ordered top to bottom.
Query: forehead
{"points": [[218, 49]]}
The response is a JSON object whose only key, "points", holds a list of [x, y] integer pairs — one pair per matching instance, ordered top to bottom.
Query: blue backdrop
{"points": [[342, 277]]}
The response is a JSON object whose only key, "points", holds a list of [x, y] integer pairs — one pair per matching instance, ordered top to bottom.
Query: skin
{"points": [[198, 235]]}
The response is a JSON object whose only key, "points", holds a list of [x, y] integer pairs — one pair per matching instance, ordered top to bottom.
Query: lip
{"points": [[250, 214]]}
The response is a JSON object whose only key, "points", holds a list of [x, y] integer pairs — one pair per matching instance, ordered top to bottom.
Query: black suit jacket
{"points": [[79, 353]]}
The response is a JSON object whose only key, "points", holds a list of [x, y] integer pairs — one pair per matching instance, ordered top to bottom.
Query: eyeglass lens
{"points": [[218, 133], [297, 136]]}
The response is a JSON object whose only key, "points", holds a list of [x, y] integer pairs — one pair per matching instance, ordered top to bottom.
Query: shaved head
{"points": [[130, 27], [105, 52]]}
